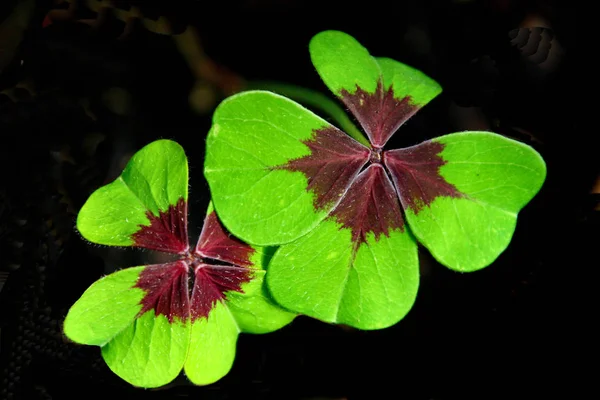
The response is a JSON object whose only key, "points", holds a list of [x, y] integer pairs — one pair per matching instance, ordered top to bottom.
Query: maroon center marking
{"points": [[380, 113], [335, 159], [416, 174], [370, 205], [167, 232], [216, 243], [212, 284], [166, 285], [167, 292]]}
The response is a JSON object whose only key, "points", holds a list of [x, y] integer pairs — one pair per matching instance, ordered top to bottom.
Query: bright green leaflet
{"points": [[344, 64], [407, 81], [315, 99], [253, 132], [498, 177], [155, 178], [316, 275], [106, 308], [254, 311], [212, 349], [146, 351], [150, 352]]}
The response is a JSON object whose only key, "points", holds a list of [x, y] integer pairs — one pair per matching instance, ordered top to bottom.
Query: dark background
{"points": [[84, 87]]}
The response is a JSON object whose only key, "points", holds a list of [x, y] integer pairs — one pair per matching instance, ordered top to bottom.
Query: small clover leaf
{"points": [[348, 216], [144, 318]]}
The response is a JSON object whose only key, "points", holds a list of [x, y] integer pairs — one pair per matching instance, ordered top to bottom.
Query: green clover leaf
{"points": [[348, 216], [144, 318]]}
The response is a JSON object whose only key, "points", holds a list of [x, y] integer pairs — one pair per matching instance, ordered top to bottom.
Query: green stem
{"points": [[315, 99]]}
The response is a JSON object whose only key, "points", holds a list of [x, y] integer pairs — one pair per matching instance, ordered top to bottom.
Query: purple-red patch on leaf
{"points": [[380, 113], [335, 160], [416, 174], [370, 206], [167, 232], [218, 244], [220, 264], [211, 284], [166, 287]]}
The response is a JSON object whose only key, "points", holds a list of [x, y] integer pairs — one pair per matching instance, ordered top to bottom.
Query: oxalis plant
{"points": [[344, 212], [347, 212], [147, 321]]}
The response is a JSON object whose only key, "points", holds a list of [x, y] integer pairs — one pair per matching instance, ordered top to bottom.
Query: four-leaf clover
{"points": [[348, 216], [153, 321]]}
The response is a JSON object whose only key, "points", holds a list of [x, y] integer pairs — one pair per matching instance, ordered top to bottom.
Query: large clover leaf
{"points": [[348, 216], [148, 323]]}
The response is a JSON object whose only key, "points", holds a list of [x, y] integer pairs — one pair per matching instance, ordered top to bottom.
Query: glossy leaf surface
{"points": [[381, 93], [258, 151], [144, 207], [467, 217], [358, 267]]}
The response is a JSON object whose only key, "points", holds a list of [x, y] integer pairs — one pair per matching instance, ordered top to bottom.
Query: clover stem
{"points": [[315, 99]]}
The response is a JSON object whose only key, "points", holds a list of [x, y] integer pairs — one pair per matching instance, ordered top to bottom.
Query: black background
{"points": [[508, 331]]}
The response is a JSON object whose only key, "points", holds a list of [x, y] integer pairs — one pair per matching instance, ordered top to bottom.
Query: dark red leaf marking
{"points": [[380, 113], [334, 161], [416, 174], [370, 205], [167, 232], [218, 244], [212, 284], [166, 287]]}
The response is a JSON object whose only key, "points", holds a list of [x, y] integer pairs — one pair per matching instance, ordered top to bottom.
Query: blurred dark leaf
{"points": [[12, 29]]}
